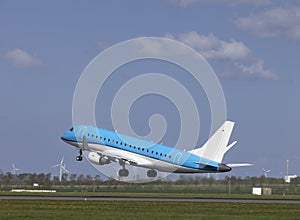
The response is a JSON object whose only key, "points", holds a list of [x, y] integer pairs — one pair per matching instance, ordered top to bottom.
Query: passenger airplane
{"points": [[106, 146]]}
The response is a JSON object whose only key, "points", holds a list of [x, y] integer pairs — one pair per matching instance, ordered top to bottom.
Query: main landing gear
{"points": [[79, 158], [123, 172], [151, 173]]}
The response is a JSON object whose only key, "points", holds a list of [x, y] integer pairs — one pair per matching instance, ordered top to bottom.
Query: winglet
{"points": [[231, 145]]}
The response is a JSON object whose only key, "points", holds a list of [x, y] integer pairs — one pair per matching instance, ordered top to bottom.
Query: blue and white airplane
{"points": [[106, 146]]}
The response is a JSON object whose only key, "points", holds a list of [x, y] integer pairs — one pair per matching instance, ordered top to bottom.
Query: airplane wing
{"points": [[105, 157], [121, 157], [118, 158], [204, 166]]}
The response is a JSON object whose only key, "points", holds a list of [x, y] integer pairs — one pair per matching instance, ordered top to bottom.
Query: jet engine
{"points": [[98, 159]]}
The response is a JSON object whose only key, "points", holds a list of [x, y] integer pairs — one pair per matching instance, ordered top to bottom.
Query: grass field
{"points": [[155, 195], [44, 209]]}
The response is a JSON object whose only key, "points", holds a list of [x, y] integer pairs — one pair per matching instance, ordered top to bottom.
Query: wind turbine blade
{"points": [[62, 160], [56, 165], [14, 167], [64, 168], [67, 171]]}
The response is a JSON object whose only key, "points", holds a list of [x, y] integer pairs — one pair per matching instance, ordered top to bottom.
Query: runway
{"points": [[150, 199]]}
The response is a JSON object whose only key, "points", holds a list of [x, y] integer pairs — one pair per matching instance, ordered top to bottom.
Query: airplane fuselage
{"points": [[111, 146]]}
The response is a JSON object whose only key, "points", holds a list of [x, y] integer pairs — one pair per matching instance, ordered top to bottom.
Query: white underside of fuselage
{"points": [[142, 161]]}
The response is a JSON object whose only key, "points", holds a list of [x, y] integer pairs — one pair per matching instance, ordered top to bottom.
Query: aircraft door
{"points": [[80, 133], [176, 160]]}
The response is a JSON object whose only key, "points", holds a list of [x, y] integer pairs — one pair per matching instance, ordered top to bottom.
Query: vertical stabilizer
{"points": [[215, 148]]}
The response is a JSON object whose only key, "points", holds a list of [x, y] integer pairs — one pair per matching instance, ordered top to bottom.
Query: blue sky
{"points": [[253, 46]]}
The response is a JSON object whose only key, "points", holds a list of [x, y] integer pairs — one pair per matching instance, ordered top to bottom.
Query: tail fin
{"points": [[215, 148]]}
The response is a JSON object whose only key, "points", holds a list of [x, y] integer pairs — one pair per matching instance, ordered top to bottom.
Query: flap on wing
{"points": [[85, 145], [118, 158]]}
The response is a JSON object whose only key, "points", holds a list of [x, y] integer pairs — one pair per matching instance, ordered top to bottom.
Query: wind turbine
{"points": [[62, 168], [65, 169], [14, 170], [266, 172]]}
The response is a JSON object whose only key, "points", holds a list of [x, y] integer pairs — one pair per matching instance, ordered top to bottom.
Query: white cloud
{"points": [[187, 3], [274, 22], [197, 41], [149, 47], [213, 48], [232, 50], [232, 53], [234, 57], [21, 58], [256, 71]]}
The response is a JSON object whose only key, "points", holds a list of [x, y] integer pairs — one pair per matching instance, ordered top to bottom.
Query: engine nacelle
{"points": [[97, 159]]}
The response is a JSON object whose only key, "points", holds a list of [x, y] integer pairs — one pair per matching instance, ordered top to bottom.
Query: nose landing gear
{"points": [[79, 158]]}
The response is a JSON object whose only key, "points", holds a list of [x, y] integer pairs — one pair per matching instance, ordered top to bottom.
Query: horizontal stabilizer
{"points": [[239, 164]]}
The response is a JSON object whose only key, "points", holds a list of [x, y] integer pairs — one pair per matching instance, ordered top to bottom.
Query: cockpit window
{"points": [[71, 129]]}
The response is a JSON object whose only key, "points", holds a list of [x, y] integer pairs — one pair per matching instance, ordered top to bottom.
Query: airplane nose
{"points": [[64, 136], [68, 136], [224, 168]]}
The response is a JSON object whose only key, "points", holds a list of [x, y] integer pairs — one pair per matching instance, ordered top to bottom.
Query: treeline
{"points": [[42, 179], [45, 179], [185, 183]]}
